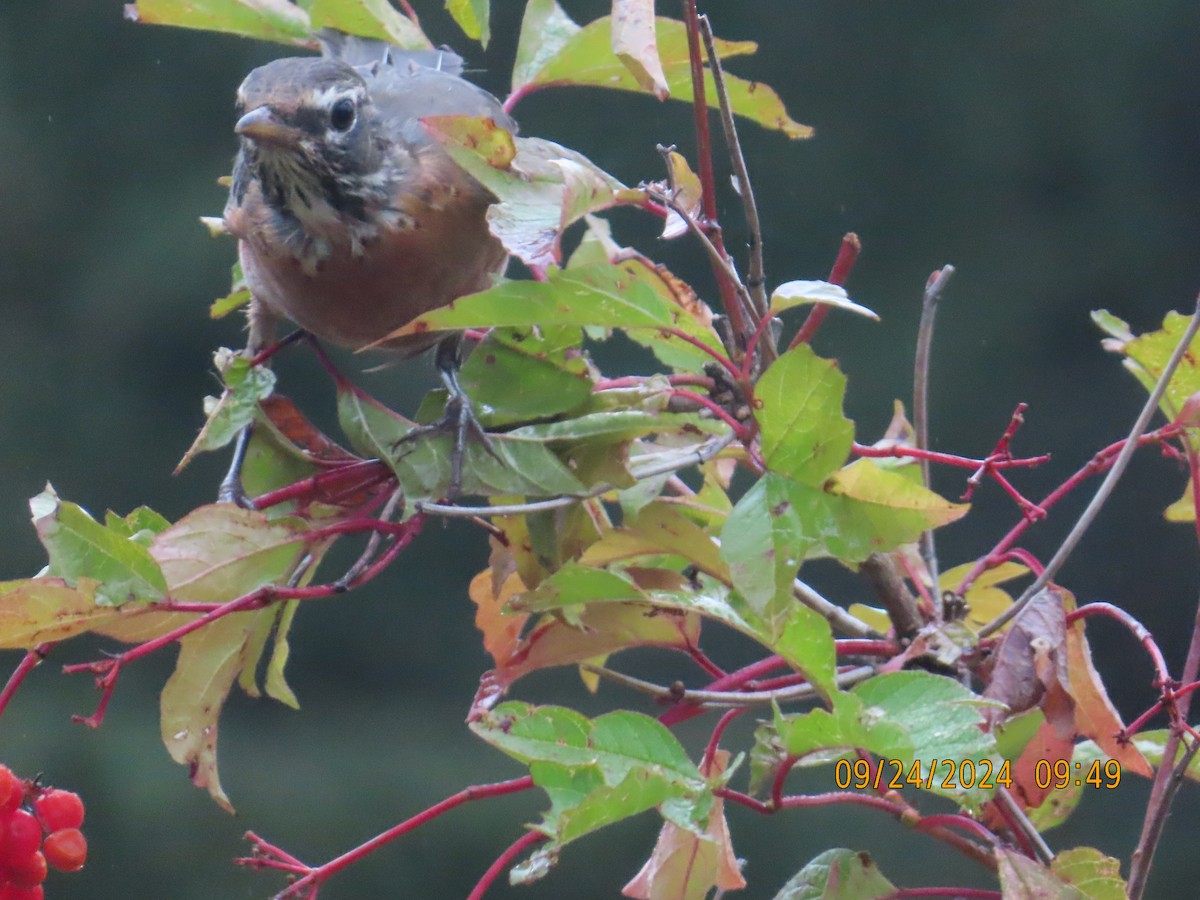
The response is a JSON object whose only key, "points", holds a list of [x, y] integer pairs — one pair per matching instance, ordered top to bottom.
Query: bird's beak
{"points": [[262, 125]]}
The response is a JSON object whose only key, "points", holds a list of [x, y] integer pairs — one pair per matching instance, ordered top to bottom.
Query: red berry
{"points": [[12, 791], [59, 809], [20, 838], [66, 849], [31, 871], [12, 892]]}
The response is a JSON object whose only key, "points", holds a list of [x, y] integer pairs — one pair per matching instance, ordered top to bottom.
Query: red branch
{"points": [[704, 164], [847, 255], [741, 431], [901, 451], [1097, 464], [28, 663], [108, 670], [268, 856], [503, 861]]}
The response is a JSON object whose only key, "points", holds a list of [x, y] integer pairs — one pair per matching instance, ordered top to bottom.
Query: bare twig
{"points": [[704, 165], [717, 256], [756, 275], [934, 288], [679, 461], [1106, 486], [887, 582], [836, 616], [722, 699]]}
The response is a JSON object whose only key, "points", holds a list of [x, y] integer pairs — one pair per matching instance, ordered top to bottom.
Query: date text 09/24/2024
{"points": [[952, 774]]}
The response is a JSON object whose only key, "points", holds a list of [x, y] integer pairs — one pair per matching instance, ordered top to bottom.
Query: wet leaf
{"points": [[368, 18], [267, 20], [635, 44], [80, 547], [686, 865], [838, 874]]}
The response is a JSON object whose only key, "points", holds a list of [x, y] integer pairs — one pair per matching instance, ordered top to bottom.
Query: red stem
{"points": [[704, 163], [847, 255], [725, 362], [742, 432], [899, 451], [1097, 464], [1138, 630], [27, 664], [108, 670], [715, 740], [966, 823], [503, 861], [315, 877], [965, 893]]}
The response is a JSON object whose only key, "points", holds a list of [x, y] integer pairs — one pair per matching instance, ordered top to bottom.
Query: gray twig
{"points": [[933, 293], [1106, 487]]}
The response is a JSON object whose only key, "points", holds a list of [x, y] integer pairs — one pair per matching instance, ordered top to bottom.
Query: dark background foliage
{"points": [[1050, 151]]}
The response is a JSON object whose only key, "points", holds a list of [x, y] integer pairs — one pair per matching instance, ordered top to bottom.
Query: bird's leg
{"points": [[262, 325], [459, 417]]}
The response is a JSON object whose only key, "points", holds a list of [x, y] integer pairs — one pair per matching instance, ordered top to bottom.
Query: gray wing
{"points": [[406, 85]]}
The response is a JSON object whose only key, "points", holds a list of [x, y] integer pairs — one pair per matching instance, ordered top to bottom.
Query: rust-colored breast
{"points": [[440, 250]]}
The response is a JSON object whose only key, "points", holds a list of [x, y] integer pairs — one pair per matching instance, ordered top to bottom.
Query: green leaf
{"points": [[473, 17], [369, 18], [266, 20], [545, 30], [586, 58], [542, 187], [795, 293], [600, 295], [1146, 357], [519, 374], [245, 386], [619, 426], [804, 434], [423, 464], [879, 509], [778, 523], [140, 525], [660, 528], [763, 542], [80, 547], [221, 551], [212, 555], [575, 584], [208, 663], [942, 720], [848, 726], [596, 772], [838, 874], [1096, 876], [1022, 878]]}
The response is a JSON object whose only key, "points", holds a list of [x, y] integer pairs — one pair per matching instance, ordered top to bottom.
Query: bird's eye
{"points": [[341, 114]]}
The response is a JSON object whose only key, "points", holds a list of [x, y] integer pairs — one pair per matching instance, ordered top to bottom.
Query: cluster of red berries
{"points": [[39, 827]]}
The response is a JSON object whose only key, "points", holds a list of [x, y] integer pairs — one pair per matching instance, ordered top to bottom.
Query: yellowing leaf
{"points": [[368, 18], [268, 20], [634, 43], [985, 601], [36, 610], [501, 633], [686, 865]]}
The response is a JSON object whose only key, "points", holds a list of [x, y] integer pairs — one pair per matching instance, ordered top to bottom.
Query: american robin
{"points": [[350, 221]]}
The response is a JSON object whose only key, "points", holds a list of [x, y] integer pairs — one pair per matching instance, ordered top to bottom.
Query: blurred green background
{"points": [[1050, 151]]}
